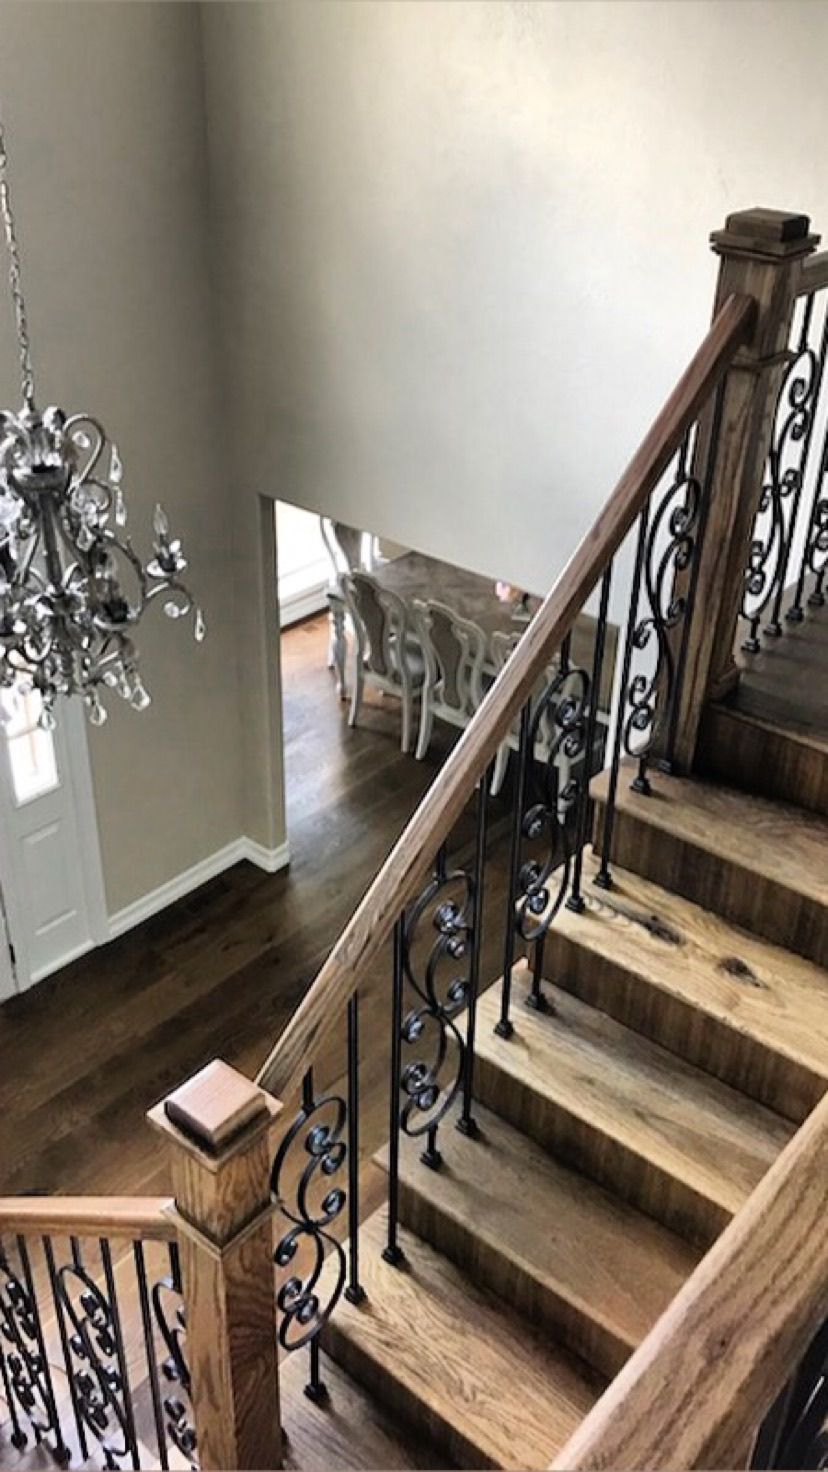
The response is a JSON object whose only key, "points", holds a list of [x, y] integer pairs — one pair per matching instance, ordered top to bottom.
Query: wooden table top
{"points": [[414, 575]]}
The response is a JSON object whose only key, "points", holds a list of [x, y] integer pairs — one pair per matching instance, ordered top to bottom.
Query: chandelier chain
{"points": [[15, 280]]}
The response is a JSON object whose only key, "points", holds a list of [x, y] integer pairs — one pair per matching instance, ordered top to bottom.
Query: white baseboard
{"points": [[269, 859]]}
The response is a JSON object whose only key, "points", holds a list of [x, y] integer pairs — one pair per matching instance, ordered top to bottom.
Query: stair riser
{"points": [[745, 754], [722, 885], [739, 1060], [580, 1145], [531, 1299], [378, 1378]]}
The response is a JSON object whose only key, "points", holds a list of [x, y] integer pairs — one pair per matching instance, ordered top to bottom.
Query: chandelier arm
{"points": [[15, 279]]}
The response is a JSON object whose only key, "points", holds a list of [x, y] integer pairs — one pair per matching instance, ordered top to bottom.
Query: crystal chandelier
{"points": [[72, 587]]}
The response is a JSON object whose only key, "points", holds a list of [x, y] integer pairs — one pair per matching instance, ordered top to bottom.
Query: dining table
{"points": [[414, 575]]}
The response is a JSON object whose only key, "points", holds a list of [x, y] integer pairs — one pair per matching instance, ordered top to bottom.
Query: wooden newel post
{"points": [[762, 253], [218, 1126]]}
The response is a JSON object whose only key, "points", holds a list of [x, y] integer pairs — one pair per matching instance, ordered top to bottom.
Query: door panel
{"points": [[43, 869]]}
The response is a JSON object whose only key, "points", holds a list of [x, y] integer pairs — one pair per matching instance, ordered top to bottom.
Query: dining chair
{"points": [[343, 544], [503, 646], [454, 649], [386, 651]]}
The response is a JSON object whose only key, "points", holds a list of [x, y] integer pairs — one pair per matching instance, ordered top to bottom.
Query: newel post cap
{"points": [[767, 234], [215, 1111]]}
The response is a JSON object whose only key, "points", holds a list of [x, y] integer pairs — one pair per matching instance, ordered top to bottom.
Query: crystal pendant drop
{"points": [[116, 469], [120, 507], [161, 522], [173, 610], [200, 626], [140, 698], [97, 712], [47, 720]]}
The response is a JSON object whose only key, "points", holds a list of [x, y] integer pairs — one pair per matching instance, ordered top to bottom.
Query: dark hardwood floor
{"points": [[84, 1054]]}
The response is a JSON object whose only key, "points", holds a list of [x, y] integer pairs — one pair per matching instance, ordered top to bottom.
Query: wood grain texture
{"points": [[761, 254], [814, 274], [770, 734], [759, 863], [370, 926], [749, 1012], [670, 1139], [135, 1217], [226, 1248], [564, 1254], [455, 1363], [694, 1392]]}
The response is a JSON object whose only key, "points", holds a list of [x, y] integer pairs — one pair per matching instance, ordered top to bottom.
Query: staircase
{"points": [[620, 1130], [594, 1234]]}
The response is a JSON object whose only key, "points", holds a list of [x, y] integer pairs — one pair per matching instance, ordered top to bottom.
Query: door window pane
{"points": [[31, 750]]}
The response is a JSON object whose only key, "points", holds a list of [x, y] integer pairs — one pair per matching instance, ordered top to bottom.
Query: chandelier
{"points": [[72, 586]]}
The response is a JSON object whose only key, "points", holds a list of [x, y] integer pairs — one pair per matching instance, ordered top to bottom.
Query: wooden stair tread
{"points": [[785, 844], [774, 995], [685, 1122], [587, 1248], [502, 1395]]}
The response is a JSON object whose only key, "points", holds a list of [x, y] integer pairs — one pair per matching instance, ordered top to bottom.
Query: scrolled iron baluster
{"points": [[776, 513], [668, 554], [558, 730], [447, 902], [316, 1141], [170, 1318], [97, 1364], [26, 1375], [794, 1434]]}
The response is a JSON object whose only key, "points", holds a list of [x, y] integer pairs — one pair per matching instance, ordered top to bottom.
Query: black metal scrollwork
{"points": [[776, 513], [668, 552], [557, 742], [438, 971], [312, 1152], [168, 1311], [97, 1368], [25, 1370], [794, 1434]]}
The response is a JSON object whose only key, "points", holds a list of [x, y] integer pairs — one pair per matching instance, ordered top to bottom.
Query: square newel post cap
{"points": [[765, 234], [215, 1112]]}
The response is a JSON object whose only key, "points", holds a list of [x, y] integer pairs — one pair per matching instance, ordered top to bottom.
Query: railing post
{"points": [[761, 255], [217, 1126]]}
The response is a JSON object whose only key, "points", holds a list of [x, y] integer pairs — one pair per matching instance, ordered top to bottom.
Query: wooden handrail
{"points": [[814, 274], [395, 884], [133, 1217], [696, 1390]]}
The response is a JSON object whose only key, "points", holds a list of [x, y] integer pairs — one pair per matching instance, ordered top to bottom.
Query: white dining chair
{"points": [[349, 550], [454, 649], [386, 651]]}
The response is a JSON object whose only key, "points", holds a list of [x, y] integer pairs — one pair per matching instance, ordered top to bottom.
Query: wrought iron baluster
{"points": [[782, 488], [814, 556], [670, 564], [548, 819], [604, 878], [576, 900], [504, 1026], [429, 1086], [467, 1123], [312, 1149], [392, 1252], [48, 1253], [354, 1291], [172, 1326], [150, 1354], [97, 1362], [27, 1377], [794, 1434]]}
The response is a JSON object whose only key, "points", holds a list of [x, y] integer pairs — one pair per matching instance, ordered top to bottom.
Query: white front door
{"points": [[49, 860]]}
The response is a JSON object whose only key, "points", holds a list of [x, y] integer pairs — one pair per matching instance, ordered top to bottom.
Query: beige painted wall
{"points": [[104, 109], [464, 245]]}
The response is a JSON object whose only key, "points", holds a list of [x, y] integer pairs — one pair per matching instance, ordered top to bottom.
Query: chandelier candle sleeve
{"points": [[72, 586]]}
